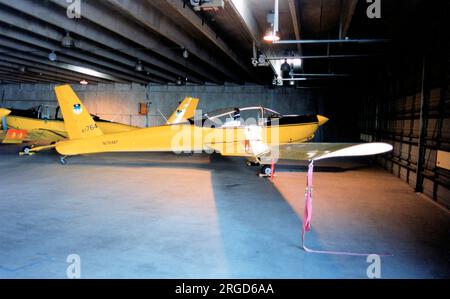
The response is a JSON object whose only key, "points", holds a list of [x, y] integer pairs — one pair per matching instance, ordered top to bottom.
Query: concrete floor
{"points": [[169, 216]]}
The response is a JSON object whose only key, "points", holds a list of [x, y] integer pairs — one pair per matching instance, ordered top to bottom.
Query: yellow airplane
{"points": [[36, 126], [259, 134]]}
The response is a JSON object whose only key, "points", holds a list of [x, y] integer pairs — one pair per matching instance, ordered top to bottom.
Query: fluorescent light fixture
{"points": [[86, 71], [84, 82]]}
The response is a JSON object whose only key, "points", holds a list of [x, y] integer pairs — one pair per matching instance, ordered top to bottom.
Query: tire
{"points": [[26, 149], [266, 170]]}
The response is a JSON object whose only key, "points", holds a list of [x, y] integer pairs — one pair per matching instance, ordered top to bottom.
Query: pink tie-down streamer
{"points": [[308, 214]]}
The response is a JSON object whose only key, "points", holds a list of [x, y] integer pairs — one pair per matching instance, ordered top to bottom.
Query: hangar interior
{"points": [[377, 69]]}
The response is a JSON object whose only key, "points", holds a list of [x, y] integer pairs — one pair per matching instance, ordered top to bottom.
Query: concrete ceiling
{"points": [[113, 35]]}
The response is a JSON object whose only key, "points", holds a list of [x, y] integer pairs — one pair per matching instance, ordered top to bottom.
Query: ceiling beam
{"points": [[348, 9], [190, 17], [151, 18], [248, 20], [295, 23], [118, 25], [46, 34], [101, 37], [18, 45], [6, 48], [23, 60], [5, 62], [36, 75], [23, 77], [11, 79], [8, 80]]}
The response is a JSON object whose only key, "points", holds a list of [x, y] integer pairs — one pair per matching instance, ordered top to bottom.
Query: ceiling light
{"points": [[271, 33], [270, 36], [68, 41], [186, 54], [52, 56], [139, 67], [22, 69], [179, 81], [84, 82], [292, 82]]}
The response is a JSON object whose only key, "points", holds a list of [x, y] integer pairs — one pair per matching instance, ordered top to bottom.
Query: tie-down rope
{"points": [[308, 214]]}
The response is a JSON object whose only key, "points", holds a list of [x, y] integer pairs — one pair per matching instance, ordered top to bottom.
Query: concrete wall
{"points": [[120, 103]]}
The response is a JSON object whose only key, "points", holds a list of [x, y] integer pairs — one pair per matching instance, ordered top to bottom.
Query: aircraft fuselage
{"points": [[186, 138]]}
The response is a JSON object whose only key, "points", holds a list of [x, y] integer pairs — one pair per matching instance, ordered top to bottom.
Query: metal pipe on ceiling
{"points": [[276, 18], [331, 41], [318, 56], [321, 75], [298, 79]]}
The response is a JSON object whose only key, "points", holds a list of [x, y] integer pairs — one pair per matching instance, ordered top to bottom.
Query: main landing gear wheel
{"points": [[26, 150], [63, 160], [266, 170]]}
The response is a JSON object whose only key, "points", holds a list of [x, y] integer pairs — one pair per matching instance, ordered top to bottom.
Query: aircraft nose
{"points": [[4, 112], [322, 119]]}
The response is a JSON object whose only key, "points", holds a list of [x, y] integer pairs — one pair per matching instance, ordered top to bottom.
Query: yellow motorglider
{"points": [[43, 125], [259, 134]]}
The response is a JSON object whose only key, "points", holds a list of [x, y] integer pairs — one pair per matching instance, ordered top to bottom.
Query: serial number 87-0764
{"points": [[89, 128]]}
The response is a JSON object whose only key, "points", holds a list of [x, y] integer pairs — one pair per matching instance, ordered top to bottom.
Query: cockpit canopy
{"points": [[44, 112], [232, 117]]}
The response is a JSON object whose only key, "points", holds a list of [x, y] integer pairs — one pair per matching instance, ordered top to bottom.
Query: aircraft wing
{"points": [[37, 136], [44, 136], [299, 151], [319, 151]]}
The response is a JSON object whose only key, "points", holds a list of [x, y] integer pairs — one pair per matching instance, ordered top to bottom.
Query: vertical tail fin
{"points": [[184, 111], [77, 120]]}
